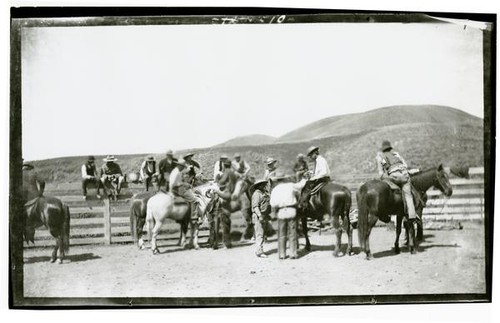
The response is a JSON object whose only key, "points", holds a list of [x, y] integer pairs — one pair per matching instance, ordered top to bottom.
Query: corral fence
{"points": [[95, 221]]}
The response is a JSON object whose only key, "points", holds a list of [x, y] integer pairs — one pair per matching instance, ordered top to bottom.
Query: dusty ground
{"points": [[447, 262]]}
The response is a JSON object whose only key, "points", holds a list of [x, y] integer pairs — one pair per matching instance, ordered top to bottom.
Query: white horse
{"points": [[164, 206]]}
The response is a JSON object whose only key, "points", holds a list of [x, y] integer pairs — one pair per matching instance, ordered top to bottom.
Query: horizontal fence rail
{"points": [[95, 221]]}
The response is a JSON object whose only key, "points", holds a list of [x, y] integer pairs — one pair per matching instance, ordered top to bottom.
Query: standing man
{"points": [[240, 166], [165, 167], [219, 167], [300, 167], [393, 167], [148, 172], [111, 173], [320, 174], [89, 175], [179, 187], [261, 210]]}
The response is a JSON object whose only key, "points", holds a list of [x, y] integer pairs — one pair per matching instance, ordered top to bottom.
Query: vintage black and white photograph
{"points": [[250, 158]]}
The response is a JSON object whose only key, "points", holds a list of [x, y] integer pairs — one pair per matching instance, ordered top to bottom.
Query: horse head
{"points": [[442, 182], [241, 186]]}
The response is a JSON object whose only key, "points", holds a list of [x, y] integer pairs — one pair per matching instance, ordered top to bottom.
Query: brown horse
{"points": [[376, 200], [335, 201], [55, 216]]}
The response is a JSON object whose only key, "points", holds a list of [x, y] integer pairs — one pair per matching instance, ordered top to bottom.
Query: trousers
{"points": [[402, 178], [287, 231]]}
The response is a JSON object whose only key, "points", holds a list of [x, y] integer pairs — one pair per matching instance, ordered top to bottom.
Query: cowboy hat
{"points": [[386, 144], [311, 150], [170, 152], [188, 155], [301, 155], [223, 156], [90, 158], [110, 158], [150, 158], [270, 160], [257, 183]]}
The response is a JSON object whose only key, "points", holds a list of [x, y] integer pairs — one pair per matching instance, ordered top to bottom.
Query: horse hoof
{"points": [[142, 247], [196, 247], [156, 251], [397, 251], [413, 251], [350, 253], [52, 260], [59, 261]]}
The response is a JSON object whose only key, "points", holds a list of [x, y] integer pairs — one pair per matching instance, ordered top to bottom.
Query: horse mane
{"points": [[419, 177]]}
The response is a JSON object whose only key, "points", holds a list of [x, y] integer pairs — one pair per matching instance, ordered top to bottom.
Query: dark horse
{"points": [[376, 200], [335, 201], [55, 216]]}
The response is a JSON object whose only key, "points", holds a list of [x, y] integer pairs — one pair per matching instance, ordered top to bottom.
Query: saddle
{"points": [[317, 188], [417, 199], [178, 200]]}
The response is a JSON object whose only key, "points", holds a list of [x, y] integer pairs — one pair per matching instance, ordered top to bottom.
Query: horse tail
{"points": [[361, 198], [65, 228]]}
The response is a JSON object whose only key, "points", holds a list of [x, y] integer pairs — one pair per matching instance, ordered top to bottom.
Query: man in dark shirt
{"points": [[191, 165], [165, 167], [300, 167], [89, 175]]}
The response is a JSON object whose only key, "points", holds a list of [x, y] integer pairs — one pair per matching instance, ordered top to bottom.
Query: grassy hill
{"points": [[378, 118], [425, 137], [250, 140]]}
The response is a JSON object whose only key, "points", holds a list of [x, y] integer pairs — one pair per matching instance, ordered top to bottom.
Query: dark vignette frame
{"points": [[104, 16]]}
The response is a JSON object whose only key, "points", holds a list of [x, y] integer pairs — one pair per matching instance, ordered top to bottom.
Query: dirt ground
{"points": [[447, 262]]}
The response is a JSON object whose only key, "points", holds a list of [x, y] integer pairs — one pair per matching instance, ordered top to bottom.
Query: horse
{"points": [[377, 200], [335, 201], [163, 205], [55, 216]]}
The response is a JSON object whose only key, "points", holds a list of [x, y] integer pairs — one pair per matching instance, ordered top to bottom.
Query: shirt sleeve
{"points": [[380, 165], [247, 167], [321, 168], [84, 171], [256, 202]]}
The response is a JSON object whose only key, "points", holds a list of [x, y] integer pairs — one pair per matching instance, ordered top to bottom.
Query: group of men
{"points": [[178, 175]]}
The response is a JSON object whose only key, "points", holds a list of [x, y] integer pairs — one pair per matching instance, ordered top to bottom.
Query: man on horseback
{"points": [[191, 166], [240, 166], [165, 167], [392, 167], [271, 170], [148, 172], [111, 173], [89, 175], [319, 176], [179, 186]]}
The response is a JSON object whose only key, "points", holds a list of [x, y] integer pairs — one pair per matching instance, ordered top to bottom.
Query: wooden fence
{"points": [[96, 221]]}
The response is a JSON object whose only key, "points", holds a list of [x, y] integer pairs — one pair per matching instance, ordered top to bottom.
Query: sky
{"points": [[146, 89]]}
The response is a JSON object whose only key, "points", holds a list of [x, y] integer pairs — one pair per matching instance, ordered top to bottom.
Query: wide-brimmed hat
{"points": [[386, 144], [311, 150], [170, 152], [188, 155], [237, 155], [301, 155], [224, 156], [90, 158], [110, 158], [150, 158], [270, 160], [181, 162], [257, 183]]}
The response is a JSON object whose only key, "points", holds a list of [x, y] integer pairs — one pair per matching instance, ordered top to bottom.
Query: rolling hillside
{"points": [[425, 136], [250, 140]]}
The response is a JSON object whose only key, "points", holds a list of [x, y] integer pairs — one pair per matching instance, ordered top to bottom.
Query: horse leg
{"points": [[372, 219], [399, 220], [410, 228], [184, 229], [337, 229], [348, 230], [138, 231], [304, 231], [215, 232], [155, 233], [194, 234], [54, 251]]}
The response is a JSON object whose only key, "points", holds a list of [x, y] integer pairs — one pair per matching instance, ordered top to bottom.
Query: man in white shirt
{"points": [[89, 175], [319, 175], [179, 187]]}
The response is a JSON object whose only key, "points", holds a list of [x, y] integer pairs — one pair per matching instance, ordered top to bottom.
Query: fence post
{"points": [[107, 222]]}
